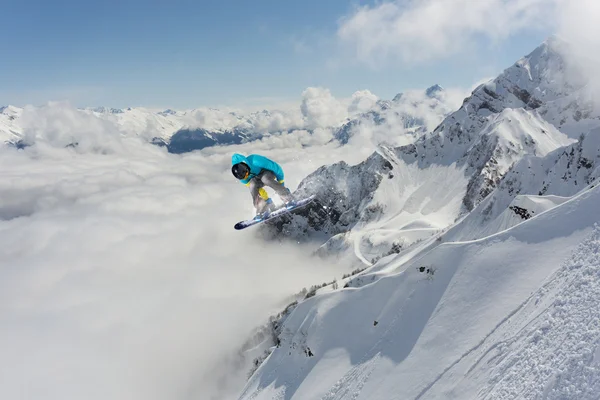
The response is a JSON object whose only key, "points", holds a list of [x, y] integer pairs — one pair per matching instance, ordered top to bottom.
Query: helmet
{"points": [[240, 170]]}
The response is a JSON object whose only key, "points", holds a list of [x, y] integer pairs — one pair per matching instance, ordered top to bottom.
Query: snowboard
{"points": [[277, 213]]}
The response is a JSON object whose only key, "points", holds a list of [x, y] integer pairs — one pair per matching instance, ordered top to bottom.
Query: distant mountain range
{"points": [[188, 130]]}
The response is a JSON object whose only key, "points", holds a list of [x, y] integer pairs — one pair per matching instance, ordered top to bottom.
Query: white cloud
{"points": [[578, 22], [578, 25], [415, 32], [362, 101], [320, 109], [428, 111], [280, 117], [211, 119], [279, 121], [59, 124], [121, 267]]}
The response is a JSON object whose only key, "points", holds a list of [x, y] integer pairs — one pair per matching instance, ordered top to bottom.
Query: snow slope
{"points": [[459, 164], [542, 180], [425, 185], [470, 236], [461, 330], [556, 354]]}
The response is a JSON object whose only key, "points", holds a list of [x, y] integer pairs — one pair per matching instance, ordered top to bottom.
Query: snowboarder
{"points": [[257, 172]]}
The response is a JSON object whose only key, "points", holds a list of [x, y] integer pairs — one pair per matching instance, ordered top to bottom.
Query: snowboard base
{"points": [[277, 213]]}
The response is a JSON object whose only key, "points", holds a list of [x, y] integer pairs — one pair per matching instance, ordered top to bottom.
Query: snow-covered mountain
{"points": [[143, 122], [205, 127], [447, 172], [533, 185], [480, 251], [459, 260]]}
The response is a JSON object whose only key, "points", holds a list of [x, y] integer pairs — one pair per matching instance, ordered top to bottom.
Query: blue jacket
{"points": [[257, 163]]}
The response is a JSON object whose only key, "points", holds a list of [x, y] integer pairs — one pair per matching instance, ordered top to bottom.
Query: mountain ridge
{"points": [[194, 129], [492, 130], [485, 208]]}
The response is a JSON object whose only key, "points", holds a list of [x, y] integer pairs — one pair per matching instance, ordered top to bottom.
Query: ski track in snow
{"points": [[359, 235], [357, 251], [560, 347], [471, 351], [494, 360], [352, 383]]}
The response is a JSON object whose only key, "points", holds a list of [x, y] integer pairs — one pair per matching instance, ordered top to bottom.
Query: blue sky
{"points": [[184, 54]]}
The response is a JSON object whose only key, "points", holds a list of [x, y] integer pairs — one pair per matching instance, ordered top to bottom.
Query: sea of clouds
{"points": [[121, 275]]}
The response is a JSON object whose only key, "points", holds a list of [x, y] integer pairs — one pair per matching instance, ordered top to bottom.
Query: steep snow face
{"points": [[543, 80], [514, 111], [574, 113], [502, 121], [502, 140], [563, 172], [426, 185], [383, 192], [518, 209], [438, 304], [470, 309], [556, 355]]}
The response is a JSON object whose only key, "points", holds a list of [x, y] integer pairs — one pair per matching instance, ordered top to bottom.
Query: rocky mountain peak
{"points": [[433, 90], [494, 128]]}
